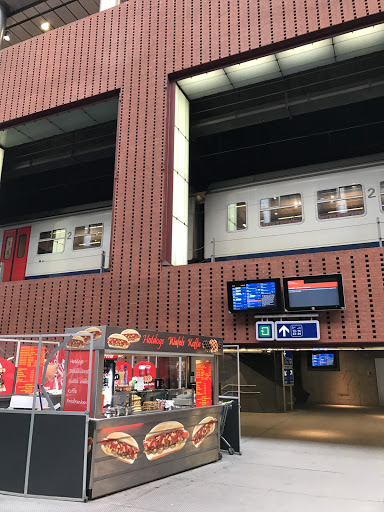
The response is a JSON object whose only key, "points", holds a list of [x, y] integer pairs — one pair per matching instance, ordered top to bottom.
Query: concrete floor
{"points": [[324, 459]]}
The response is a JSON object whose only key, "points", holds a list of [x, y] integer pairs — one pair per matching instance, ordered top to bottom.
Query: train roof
{"points": [[288, 174], [62, 212]]}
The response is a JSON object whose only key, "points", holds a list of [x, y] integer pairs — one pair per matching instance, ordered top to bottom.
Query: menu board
{"points": [[26, 371], [203, 383], [76, 387]]}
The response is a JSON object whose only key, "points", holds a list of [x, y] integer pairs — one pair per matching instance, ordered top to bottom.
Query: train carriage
{"points": [[315, 208], [63, 245]]}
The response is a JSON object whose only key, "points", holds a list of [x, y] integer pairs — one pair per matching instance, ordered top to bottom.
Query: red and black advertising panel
{"points": [[125, 339]]}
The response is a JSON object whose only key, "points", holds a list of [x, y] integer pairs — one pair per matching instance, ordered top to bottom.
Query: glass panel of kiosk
{"points": [[135, 383]]}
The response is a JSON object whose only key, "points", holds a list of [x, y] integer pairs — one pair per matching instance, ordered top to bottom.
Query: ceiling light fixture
{"points": [[45, 26], [7, 37]]}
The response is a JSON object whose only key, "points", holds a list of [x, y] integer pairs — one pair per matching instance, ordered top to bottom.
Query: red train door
{"points": [[14, 253]]}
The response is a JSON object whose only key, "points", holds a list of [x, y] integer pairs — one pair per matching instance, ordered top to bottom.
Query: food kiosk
{"points": [[143, 407]]}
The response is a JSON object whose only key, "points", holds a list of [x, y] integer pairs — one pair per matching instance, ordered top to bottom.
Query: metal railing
{"points": [[235, 388]]}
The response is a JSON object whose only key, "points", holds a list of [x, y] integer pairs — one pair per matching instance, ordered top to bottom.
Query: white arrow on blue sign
{"points": [[305, 331]]}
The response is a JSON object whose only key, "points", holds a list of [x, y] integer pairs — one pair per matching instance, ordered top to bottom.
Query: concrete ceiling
{"points": [[25, 16]]}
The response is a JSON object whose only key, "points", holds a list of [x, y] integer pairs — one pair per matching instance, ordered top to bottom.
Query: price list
{"points": [[26, 370], [203, 383]]}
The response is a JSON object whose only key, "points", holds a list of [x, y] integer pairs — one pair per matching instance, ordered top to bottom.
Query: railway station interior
{"points": [[194, 171]]}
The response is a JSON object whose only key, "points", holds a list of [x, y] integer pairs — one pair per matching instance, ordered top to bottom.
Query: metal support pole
{"points": [[3, 20], [379, 232], [213, 250], [180, 363], [90, 372], [282, 375], [32, 423]]}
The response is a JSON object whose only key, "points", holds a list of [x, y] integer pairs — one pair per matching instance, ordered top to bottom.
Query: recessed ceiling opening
{"points": [[258, 120], [59, 163]]}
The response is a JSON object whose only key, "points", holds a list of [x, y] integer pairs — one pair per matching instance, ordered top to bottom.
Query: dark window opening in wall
{"points": [[254, 135], [60, 163], [57, 182]]}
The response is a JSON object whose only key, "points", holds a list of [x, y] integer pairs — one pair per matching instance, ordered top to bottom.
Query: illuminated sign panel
{"points": [[26, 371]]}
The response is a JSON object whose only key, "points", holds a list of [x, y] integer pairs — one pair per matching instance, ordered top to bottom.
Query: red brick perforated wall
{"points": [[134, 48]]}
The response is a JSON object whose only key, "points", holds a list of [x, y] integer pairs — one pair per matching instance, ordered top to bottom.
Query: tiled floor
{"points": [[326, 459]]}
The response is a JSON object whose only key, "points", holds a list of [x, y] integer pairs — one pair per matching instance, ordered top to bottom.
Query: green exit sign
{"points": [[265, 331]]}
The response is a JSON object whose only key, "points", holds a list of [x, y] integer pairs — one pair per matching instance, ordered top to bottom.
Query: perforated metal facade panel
{"points": [[134, 48]]}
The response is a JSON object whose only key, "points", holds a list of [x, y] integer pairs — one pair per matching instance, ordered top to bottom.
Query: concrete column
{"points": [[106, 4], [3, 20]]}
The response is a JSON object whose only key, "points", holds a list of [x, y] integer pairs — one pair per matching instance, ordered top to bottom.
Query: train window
{"points": [[340, 202], [281, 210], [237, 216], [88, 237], [51, 242], [21, 246], [8, 248]]}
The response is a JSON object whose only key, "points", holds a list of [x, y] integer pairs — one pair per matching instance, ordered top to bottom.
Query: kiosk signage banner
{"points": [[124, 339], [150, 341], [76, 386]]}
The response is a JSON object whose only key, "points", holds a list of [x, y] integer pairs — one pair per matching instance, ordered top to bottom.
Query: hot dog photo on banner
{"points": [[166, 438]]}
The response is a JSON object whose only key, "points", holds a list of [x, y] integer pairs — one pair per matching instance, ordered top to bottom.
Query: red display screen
{"points": [[313, 293], [26, 371], [203, 383]]}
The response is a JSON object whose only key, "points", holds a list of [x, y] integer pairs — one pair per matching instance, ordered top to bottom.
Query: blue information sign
{"points": [[304, 331], [287, 358], [288, 377]]}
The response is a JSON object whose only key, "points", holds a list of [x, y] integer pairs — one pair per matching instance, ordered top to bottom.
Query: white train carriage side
{"points": [[311, 208], [63, 245]]}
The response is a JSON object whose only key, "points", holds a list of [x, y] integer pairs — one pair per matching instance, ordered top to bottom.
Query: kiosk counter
{"points": [[144, 407], [154, 407]]}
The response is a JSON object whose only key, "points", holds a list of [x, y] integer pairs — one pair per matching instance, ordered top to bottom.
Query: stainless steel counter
{"points": [[108, 474]]}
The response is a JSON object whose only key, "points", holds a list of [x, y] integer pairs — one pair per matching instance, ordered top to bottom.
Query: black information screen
{"points": [[314, 292], [254, 295], [323, 361]]}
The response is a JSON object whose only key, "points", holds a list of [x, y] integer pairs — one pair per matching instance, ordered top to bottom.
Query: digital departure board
{"points": [[311, 293], [254, 295], [323, 361]]}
